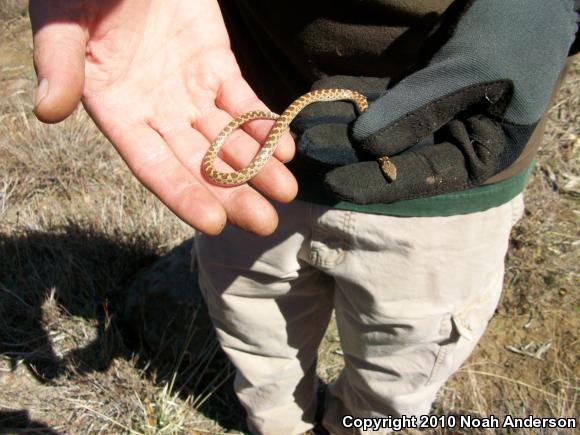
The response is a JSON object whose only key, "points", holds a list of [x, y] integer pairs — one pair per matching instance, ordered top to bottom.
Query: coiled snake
{"points": [[280, 126]]}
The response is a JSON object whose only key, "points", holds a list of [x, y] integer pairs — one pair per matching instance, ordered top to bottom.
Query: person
{"points": [[412, 264]]}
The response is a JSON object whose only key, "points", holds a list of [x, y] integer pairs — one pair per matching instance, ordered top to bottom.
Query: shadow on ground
{"points": [[146, 308], [20, 422]]}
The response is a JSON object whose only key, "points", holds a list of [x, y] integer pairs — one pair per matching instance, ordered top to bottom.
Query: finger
{"points": [[59, 59], [237, 97], [320, 113], [482, 142], [328, 144], [466, 154], [153, 163], [428, 171], [274, 180], [245, 207], [248, 210]]}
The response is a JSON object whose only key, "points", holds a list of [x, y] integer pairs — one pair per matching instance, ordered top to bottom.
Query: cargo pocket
{"points": [[465, 327]]}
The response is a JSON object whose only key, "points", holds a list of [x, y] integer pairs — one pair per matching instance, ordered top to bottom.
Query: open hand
{"points": [[160, 81]]}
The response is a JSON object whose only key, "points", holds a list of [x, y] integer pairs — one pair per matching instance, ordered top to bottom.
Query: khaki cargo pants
{"points": [[412, 298]]}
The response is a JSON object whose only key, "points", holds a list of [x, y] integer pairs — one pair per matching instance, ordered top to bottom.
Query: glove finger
{"points": [[334, 112], [397, 136], [482, 142], [328, 145], [469, 157], [364, 183]]}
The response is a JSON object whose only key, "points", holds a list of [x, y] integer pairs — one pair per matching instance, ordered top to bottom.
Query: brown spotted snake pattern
{"points": [[280, 126]]}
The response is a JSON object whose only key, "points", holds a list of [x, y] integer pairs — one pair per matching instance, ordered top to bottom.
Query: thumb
{"points": [[59, 60], [382, 132]]}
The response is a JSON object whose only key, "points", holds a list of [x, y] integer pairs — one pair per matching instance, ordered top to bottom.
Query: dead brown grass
{"points": [[12, 9], [75, 228]]}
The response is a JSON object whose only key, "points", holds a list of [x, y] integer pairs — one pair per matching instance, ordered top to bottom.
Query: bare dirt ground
{"points": [[76, 228]]}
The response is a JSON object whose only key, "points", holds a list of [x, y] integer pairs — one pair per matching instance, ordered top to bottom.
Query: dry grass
{"points": [[10, 9], [75, 229]]}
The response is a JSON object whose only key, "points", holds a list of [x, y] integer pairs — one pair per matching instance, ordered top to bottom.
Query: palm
{"points": [[160, 82]]}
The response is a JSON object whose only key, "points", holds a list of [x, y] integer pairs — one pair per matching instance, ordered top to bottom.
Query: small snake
{"points": [[280, 126]]}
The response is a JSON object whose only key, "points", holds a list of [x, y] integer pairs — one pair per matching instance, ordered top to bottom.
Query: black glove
{"points": [[463, 116]]}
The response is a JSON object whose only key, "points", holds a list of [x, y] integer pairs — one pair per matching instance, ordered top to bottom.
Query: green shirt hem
{"points": [[468, 201]]}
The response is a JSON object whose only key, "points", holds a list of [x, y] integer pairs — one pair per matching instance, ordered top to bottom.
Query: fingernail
{"points": [[41, 92]]}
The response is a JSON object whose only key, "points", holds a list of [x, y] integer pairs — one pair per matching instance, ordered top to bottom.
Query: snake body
{"points": [[279, 128]]}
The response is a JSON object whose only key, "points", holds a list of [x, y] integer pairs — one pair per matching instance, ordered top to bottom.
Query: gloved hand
{"points": [[461, 117]]}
